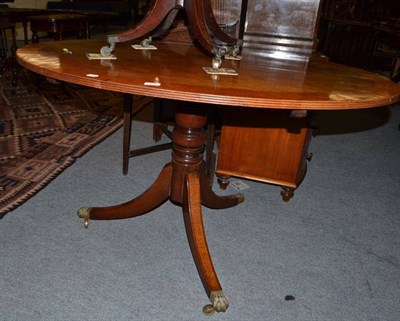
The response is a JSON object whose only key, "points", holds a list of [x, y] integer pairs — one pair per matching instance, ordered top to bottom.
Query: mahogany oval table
{"points": [[175, 71]]}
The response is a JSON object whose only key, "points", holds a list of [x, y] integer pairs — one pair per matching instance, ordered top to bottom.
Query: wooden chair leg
{"points": [[3, 54], [14, 64], [128, 99], [133, 107], [160, 128], [157, 131], [212, 134]]}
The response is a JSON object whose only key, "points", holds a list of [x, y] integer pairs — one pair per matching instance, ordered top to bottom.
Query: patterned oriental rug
{"points": [[43, 131]]}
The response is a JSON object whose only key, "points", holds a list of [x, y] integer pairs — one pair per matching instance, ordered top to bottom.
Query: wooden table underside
{"points": [[199, 14], [323, 85]]}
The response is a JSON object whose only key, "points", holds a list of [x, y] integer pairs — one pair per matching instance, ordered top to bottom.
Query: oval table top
{"points": [[261, 82]]}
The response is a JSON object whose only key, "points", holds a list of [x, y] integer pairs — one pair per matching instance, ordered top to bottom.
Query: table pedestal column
{"points": [[184, 182]]}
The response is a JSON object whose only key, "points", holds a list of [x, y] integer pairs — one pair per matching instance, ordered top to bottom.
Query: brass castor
{"points": [[84, 212], [219, 303], [208, 309]]}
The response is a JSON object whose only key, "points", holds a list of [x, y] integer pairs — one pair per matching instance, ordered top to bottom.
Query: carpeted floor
{"points": [[44, 129], [334, 247]]}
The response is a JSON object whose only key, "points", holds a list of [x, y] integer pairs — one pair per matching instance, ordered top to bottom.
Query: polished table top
{"points": [[179, 67]]}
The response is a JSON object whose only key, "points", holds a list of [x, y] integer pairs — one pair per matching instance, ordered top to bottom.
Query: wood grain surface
{"points": [[262, 81]]}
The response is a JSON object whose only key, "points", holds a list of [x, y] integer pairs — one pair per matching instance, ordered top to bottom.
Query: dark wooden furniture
{"points": [[114, 12], [15, 15], [23, 15], [157, 22], [59, 24], [203, 25], [282, 28], [354, 32], [3, 43], [386, 51], [8, 60], [181, 75], [133, 105], [163, 118], [264, 145], [271, 146]]}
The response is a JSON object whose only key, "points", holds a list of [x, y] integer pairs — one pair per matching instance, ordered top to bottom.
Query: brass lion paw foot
{"points": [[84, 212]]}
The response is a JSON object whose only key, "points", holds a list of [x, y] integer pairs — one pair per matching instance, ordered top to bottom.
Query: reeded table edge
{"points": [[239, 101]]}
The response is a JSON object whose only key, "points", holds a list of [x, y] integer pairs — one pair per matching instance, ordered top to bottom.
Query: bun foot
{"points": [[223, 181], [287, 193]]}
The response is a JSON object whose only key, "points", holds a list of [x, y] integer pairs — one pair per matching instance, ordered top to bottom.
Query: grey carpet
{"points": [[334, 247]]}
